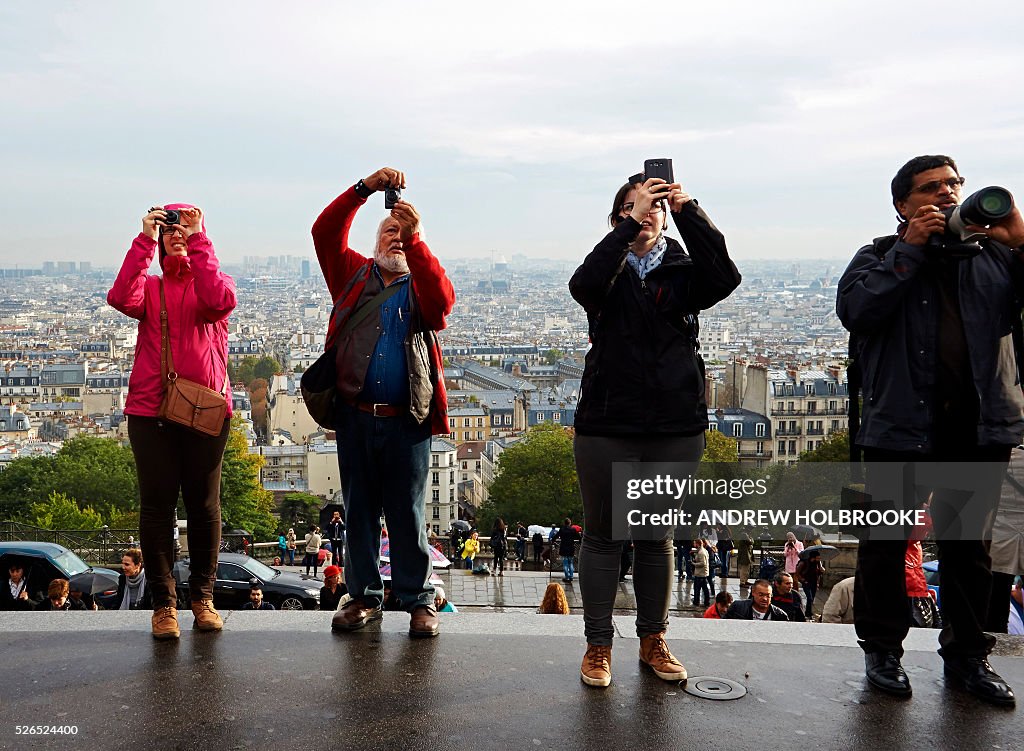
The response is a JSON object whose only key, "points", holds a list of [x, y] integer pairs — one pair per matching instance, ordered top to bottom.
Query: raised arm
{"points": [[715, 276], [128, 295]]}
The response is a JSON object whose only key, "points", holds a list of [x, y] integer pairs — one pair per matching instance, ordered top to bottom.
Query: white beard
{"points": [[396, 264]]}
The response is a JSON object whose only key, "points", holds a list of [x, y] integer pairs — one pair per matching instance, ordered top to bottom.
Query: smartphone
{"points": [[658, 168], [391, 197]]}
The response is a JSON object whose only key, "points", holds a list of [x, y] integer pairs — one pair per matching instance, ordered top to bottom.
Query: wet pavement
{"points": [[491, 680]]}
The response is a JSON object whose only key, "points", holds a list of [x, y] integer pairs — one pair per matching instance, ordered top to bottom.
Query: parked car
{"points": [[45, 561], [931, 577], [283, 590]]}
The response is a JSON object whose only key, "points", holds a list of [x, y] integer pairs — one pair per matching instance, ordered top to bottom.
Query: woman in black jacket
{"points": [[642, 397], [499, 545]]}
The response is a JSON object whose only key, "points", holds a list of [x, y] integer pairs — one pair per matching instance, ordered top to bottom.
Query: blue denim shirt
{"points": [[387, 378]]}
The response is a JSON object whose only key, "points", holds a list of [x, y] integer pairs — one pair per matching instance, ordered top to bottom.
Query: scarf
{"points": [[651, 260], [136, 584], [16, 589]]}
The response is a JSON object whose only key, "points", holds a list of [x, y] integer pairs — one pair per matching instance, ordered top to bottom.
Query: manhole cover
{"points": [[717, 689]]}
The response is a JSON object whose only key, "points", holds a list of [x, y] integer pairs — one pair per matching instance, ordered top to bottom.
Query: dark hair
{"points": [[904, 180], [568, 522], [500, 524], [135, 554], [782, 575], [761, 583], [254, 585], [723, 598]]}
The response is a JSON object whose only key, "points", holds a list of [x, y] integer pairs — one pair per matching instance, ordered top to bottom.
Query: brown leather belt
{"points": [[379, 410]]}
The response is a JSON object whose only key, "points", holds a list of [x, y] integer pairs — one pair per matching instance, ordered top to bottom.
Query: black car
{"points": [[45, 561], [283, 590]]}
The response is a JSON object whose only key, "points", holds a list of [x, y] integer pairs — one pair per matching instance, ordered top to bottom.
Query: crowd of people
{"points": [[933, 321]]}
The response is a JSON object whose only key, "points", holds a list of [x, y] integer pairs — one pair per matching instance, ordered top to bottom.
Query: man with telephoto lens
{"points": [[933, 320]]}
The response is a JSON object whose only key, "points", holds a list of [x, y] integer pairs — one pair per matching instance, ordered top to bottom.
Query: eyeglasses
{"points": [[933, 186], [657, 208]]}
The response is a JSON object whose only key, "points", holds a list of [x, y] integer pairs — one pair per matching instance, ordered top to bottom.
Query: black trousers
{"points": [[170, 459], [881, 615]]}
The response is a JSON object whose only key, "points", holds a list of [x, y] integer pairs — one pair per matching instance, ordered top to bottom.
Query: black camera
{"points": [[391, 197], [982, 208], [173, 217]]}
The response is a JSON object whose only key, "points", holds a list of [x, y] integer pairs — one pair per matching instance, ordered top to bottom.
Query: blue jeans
{"points": [[383, 465], [723, 556], [567, 566], [700, 585]]}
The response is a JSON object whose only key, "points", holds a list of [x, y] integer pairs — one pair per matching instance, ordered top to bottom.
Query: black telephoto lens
{"points": [[986, 206]]}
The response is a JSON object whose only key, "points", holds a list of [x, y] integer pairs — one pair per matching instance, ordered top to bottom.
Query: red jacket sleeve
{"points": [[338, 261], [215, 291], [435, 294], [128, 295]]}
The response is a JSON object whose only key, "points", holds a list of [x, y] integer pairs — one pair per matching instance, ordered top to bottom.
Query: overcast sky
{"points": [[514, 122]]}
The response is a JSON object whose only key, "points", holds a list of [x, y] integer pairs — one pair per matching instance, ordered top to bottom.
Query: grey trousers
{"points": [[601, 553]]}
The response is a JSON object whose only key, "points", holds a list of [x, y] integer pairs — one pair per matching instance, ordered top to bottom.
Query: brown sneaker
{"points": [[354, 615], [207, 619], [424, 622], [165, 623], [654, 652], [597, 665]]}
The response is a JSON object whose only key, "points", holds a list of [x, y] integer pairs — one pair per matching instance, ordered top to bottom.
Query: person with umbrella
{"points": [[809, 570], [14, 596]]}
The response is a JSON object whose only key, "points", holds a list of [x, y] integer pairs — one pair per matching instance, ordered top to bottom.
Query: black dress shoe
{"points": [[885, 673], [977, 676]]}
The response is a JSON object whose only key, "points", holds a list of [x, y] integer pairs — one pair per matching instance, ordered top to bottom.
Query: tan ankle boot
{"points": [[207, 619], [165, 623], [654, 652], [597, 665]]}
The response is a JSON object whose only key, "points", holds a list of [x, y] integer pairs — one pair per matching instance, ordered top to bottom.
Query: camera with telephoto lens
{"points": [[982, 208]]}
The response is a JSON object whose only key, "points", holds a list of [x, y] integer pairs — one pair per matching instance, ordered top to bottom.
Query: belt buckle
{"points": [[375, 405]]}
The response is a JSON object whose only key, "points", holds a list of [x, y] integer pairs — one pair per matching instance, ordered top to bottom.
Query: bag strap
{"points": [[363, 313], [166, 357]]}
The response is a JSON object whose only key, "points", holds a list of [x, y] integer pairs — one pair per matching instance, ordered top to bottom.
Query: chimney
{"points": [[836, 372], [793, 373]]}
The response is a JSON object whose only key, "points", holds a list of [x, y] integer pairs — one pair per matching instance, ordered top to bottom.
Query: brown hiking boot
{"points": [[354, 615], [207, 619], [424, 621], [165, 623], [654, 652], [597, 665]]}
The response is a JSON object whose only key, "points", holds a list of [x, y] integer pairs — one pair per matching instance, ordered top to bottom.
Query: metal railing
{"points": [[102, 546]]}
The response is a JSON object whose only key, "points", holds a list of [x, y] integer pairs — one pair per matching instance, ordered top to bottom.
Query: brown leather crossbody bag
{"points": [[186, 402]]}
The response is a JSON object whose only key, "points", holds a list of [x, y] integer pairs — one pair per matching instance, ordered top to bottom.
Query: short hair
{"points": [[903, 182], [567, 521], [135, 554], [15, 564], [780, 576], [761, 583], [255, 584], [57, 588], [723, 598], [554, 602]]}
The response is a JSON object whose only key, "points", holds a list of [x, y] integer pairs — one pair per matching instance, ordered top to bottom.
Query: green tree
{"points": [[552, 356], [266, 368], [244, 371], [835, 448], [719, 449], [94, 472], [535, 480], [244, 503], [298, 508], [61, 512]]}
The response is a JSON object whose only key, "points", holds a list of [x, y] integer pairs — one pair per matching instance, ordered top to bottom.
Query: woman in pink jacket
{"points": [[171, 457]]}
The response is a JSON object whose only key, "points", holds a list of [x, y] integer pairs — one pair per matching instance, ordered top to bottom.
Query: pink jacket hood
{"points": [[199, 301]]}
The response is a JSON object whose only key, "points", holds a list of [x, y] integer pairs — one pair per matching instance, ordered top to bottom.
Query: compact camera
{"points": [[391, 197]]}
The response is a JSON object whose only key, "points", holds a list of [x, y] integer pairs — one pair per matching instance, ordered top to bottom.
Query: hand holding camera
{"points": [[647, 193], [408, 220], [150, 225]]}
